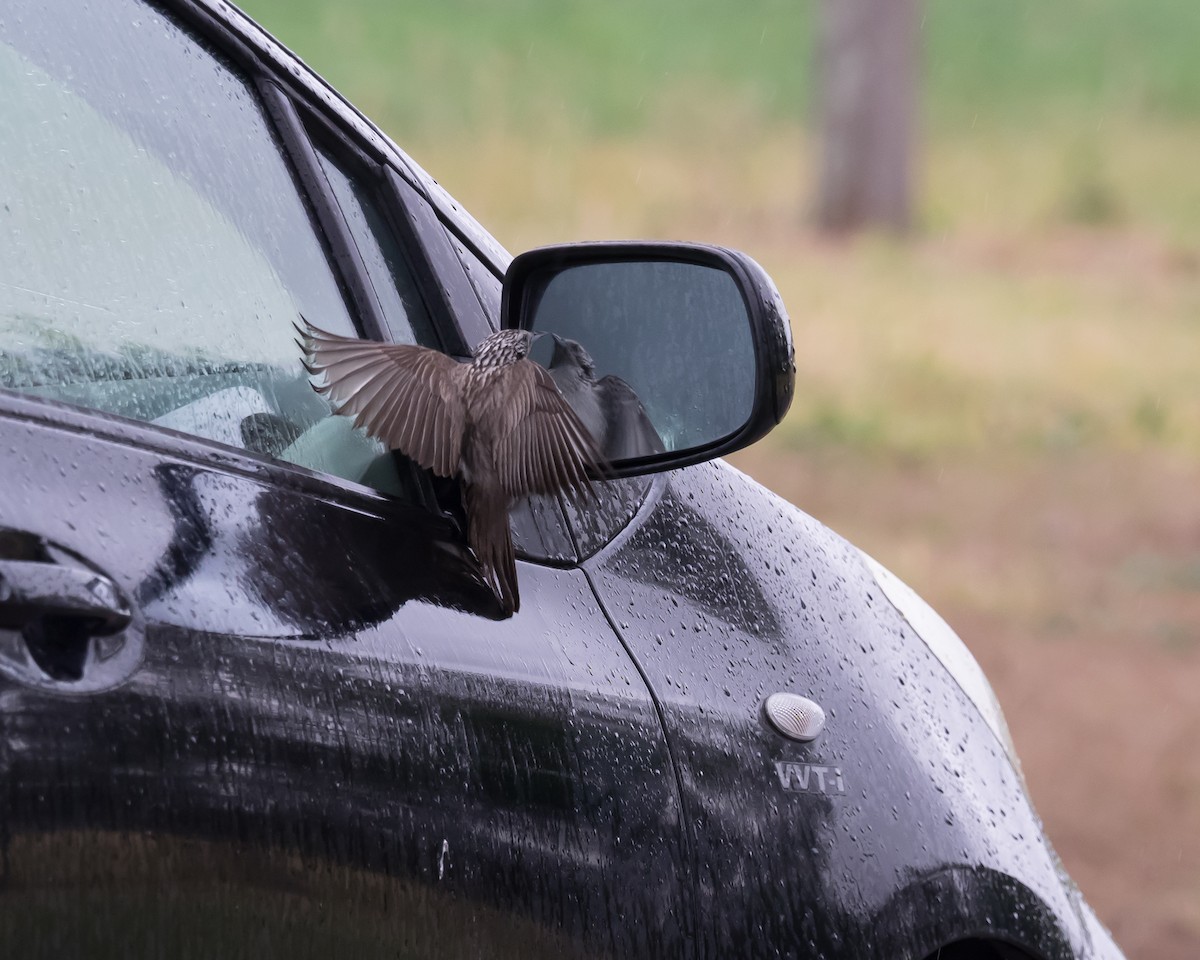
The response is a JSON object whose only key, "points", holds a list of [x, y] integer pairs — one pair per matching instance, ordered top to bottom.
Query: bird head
{"points": [[524, 340], [503, 347], [570, 353]]}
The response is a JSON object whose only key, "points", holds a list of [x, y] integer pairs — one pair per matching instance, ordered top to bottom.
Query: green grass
{"points": [[1018, 60], [444, 67], [1085, 112]]}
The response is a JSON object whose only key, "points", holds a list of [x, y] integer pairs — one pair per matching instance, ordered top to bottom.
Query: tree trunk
{"points": [[866, 62]]}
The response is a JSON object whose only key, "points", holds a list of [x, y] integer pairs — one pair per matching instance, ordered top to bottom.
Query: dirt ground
{"points": [[1075, 580]]}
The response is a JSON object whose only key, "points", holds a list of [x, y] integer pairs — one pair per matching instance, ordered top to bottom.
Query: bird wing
{"points": [[407, 396], [629, 431], [540, 444]]}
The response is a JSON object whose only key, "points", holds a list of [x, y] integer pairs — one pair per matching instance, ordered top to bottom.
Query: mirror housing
{"points": [[624, 300]]}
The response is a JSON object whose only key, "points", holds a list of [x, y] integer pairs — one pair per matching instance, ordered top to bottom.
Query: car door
{"points": [[254, 697]]}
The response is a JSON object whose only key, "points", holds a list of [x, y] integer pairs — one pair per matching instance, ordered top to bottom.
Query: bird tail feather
{"points": [[490, 538]]}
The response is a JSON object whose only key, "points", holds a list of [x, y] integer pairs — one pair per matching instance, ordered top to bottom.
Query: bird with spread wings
{"points": [[498, 422]]}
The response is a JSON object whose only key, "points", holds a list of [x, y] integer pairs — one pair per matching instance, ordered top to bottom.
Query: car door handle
{"points": [[31, 589]]}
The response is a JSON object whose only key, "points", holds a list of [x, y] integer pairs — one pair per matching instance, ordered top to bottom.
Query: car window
{"points": [[154, 247], [391, 278]]}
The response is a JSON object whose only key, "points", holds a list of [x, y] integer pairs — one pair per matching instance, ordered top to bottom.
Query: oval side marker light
{"points": [[795, 716]]}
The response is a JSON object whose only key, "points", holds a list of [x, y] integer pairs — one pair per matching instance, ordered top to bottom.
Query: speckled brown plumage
{"points": [[499, 422]]}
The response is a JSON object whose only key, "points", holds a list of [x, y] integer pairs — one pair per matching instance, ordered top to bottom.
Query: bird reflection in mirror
{"points": [[609, 407], [498, 422]]}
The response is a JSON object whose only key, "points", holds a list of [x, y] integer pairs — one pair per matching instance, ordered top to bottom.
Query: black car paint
{"points": [[726, 594], [322, 685], [329, 743]]}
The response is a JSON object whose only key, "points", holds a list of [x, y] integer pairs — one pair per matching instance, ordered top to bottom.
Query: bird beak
{"points": [[559, 356]]}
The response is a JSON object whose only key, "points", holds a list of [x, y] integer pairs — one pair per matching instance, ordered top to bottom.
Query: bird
{"points": [[609, 407], [498, 422]]}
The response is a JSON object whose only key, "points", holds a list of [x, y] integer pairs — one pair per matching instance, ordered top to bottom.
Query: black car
{"points": [[256, 698]]}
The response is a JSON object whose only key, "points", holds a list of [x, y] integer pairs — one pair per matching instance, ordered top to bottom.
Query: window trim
{"points": [[266, 60], [292, 96], [400, 217], [331, 222], [421, 225], [142, 435]]}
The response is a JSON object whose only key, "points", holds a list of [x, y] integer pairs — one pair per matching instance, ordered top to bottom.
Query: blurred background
{"points": [[985, 221]]}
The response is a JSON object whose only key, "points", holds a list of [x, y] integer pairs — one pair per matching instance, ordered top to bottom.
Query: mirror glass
{"points": [[655, 356]]}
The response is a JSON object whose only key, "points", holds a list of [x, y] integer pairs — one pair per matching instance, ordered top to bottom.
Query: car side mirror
{"points": [[671, 353]]}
